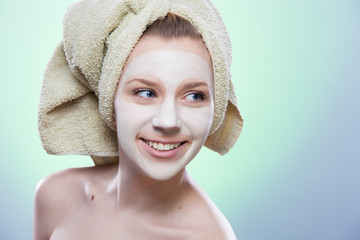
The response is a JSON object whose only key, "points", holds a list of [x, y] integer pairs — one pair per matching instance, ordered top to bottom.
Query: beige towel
{"points": [[76, 105]]}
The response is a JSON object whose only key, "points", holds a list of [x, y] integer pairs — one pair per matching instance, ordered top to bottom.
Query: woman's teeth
{"points": [[162, 146]]}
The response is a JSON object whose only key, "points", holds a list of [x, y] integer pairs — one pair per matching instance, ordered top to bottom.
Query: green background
{"points": [[294, 172]]}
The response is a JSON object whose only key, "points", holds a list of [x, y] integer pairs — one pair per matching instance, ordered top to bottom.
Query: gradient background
{"points": [[295, 170]]}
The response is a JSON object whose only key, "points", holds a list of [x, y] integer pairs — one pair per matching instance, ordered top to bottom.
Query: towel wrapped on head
{"points": [[76, 114]]}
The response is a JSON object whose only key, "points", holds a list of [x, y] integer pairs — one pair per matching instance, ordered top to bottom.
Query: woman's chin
{"points": [[163, 173]]}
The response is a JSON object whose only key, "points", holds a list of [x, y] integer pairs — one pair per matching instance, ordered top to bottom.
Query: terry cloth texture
{"points": [[76, 114]]}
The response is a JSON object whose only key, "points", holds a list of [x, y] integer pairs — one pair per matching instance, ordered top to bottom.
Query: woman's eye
{"points": [[145, 93], [195, 96]]}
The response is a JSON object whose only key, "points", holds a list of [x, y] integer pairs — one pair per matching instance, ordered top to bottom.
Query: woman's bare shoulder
{"points": [[68, 184], [54, 185], [55, 192], [58, 194], [209, 218], [218, 226]]}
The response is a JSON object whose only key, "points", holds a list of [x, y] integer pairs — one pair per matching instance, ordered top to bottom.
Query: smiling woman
{"points": [[170, 84], [142, 107]]}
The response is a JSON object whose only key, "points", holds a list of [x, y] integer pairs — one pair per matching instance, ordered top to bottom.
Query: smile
{"points": [[162, 146]]}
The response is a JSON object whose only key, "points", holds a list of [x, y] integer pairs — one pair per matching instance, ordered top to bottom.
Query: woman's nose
{"points": [[166, 118]]}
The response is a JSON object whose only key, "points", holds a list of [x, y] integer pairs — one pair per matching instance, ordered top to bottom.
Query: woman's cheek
{"points": [[133, 117], [198, 120]]}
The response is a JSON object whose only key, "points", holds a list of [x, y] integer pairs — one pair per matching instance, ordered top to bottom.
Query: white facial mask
{"points": [[163, 116]]}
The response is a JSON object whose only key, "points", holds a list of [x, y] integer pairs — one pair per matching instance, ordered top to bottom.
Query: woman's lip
{"points": [[163, 142], [163, 153]]}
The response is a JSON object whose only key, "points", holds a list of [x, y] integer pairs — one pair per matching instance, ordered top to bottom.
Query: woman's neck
{"points": [[140, 192]]}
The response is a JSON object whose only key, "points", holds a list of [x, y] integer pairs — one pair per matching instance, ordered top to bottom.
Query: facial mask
{"points": [[164, 109]]}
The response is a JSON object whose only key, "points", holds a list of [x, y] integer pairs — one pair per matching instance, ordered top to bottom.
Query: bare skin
{"points": [[123, 201], [84, 204]]}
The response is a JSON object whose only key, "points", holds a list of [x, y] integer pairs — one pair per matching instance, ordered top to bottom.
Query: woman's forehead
{"points": [[151, 43], [165, 64]]}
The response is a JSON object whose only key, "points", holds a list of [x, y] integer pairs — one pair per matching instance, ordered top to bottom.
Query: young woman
{"points": [[164, 107]]}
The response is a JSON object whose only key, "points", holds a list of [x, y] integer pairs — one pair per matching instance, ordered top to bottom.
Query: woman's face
{"points": [[164, 105]]}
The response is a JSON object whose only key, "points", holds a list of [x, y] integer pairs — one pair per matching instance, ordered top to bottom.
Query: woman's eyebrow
{"points": [[146, 82], [190, 85]]}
